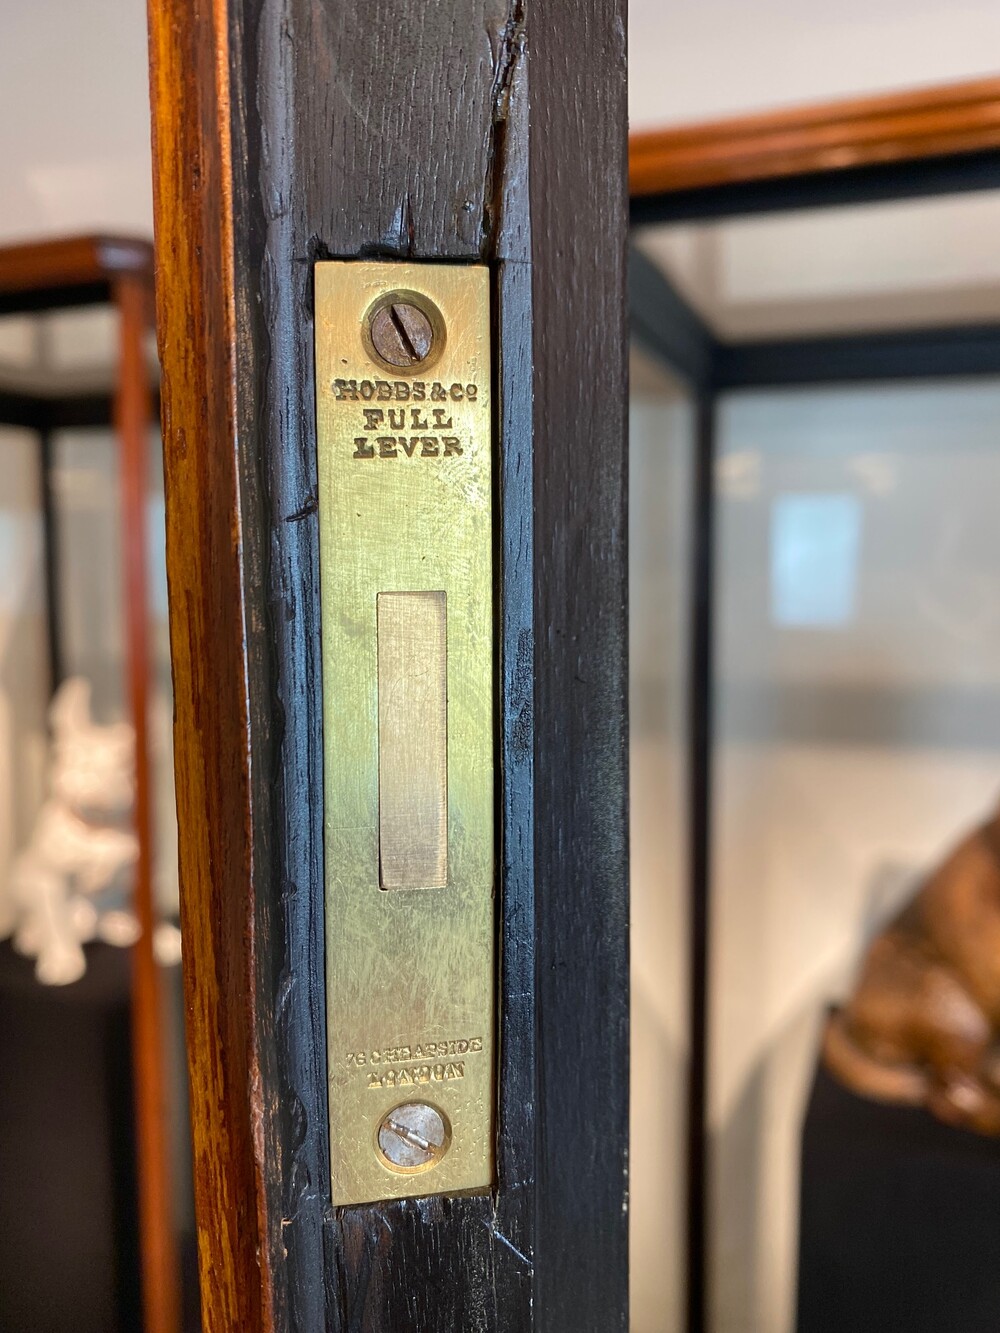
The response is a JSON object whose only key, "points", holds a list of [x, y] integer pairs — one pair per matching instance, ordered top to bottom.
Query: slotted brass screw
{"points": [[401, 334], [413, 1136]]}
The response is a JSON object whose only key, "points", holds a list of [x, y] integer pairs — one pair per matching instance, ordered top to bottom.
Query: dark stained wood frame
{"points": [[282, 136], [831, 136], [52, 275]]}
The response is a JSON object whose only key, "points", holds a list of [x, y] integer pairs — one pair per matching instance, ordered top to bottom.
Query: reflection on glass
{"points": [[903, 263], [660, 460], [814, 558], [62, 616], [857, 737]]}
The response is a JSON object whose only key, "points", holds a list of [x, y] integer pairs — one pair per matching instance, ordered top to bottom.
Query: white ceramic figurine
{"points": [[68, 885]]}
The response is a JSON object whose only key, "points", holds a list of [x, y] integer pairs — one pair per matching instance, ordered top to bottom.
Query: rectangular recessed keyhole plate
{"points": [[404, 429]]}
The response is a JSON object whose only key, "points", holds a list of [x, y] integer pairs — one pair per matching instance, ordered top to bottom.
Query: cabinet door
{"points": [[288, 134]]}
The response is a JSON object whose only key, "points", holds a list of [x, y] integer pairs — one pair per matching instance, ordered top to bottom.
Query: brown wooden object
{"points": [[471, 131], [855, 132], [72, 270], [50, 275], [195, 321], [133, 415], [922, 1025]]}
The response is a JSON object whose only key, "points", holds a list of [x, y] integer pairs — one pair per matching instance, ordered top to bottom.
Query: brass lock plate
{"points": [[404, 432]]}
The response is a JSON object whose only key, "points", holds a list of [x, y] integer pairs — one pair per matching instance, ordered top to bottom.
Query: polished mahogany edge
{"points": [[854, 132], [72, 261], [196, 332], [160, 1264]]}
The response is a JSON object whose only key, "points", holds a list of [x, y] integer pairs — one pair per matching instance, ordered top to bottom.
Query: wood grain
{"points": [[373, 125], [393, 129], [830, 136], [72, 261], [72, 270], [195, 316], [133, 410], [580, 593]]}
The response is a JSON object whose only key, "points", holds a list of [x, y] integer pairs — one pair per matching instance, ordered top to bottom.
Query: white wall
{"points": [[696, 59], [74, 117], [74, 129]]}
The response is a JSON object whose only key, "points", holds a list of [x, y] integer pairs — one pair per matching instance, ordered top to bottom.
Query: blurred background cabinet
{"points": [[815, 620], [96, 1194]]}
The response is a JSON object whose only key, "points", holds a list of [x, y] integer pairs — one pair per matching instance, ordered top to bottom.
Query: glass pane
{"points": [[901, 264], [660, 479], [62, 612], [23, 651], [855, 691], [857, 738]]}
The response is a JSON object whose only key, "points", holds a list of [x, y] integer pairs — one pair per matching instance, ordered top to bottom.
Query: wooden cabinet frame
{"points": [[285, 133], [829, 136], [923, 143], [886, 146], [50, 276]]}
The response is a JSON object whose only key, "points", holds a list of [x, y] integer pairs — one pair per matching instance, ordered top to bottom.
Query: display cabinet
{"points": [[815, 455], [91, 1059]]}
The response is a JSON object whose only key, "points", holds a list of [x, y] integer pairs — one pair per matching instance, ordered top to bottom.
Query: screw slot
{"points": [[401, 334], [413, 1137]]}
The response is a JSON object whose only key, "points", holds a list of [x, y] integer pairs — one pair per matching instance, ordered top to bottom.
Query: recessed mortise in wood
{"points": [[413, 740]]}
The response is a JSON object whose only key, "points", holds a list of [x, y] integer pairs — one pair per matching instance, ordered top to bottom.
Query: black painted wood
{"points": [[429, 132], [576, 161], [845, 186], [60, 297], [666, 325], [906, 354], [21, 409], [59, 411], [50, 562], [700, 692], [899, 1219]]}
